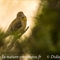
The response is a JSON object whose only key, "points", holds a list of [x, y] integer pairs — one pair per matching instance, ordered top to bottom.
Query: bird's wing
{"points": [[16, 25]]}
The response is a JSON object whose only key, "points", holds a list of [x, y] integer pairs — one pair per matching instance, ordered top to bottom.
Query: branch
{"points": [[17, 37]]}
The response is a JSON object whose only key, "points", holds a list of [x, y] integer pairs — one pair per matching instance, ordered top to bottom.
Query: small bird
{"points": [[18, 24]]}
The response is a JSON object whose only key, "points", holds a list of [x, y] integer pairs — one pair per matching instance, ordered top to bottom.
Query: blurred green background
{"points": [[45, 37]]}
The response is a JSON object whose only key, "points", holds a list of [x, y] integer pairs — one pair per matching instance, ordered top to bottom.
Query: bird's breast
{"points": [[24, 24]]}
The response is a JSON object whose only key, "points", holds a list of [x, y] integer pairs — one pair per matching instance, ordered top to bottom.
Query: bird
{"points": [[17, 25]]}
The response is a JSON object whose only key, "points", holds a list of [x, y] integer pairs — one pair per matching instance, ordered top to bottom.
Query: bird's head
{"points": [[21, 15]]}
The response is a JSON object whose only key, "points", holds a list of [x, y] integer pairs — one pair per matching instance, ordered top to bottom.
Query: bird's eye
{"points": [[22, 15]]}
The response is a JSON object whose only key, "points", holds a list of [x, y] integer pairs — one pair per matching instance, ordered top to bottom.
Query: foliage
{"points": [[47, 29], [45, 37], [11, 48]]}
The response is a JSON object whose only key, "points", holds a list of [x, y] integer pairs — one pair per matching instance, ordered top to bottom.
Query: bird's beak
{"points": [[24, 18]]}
